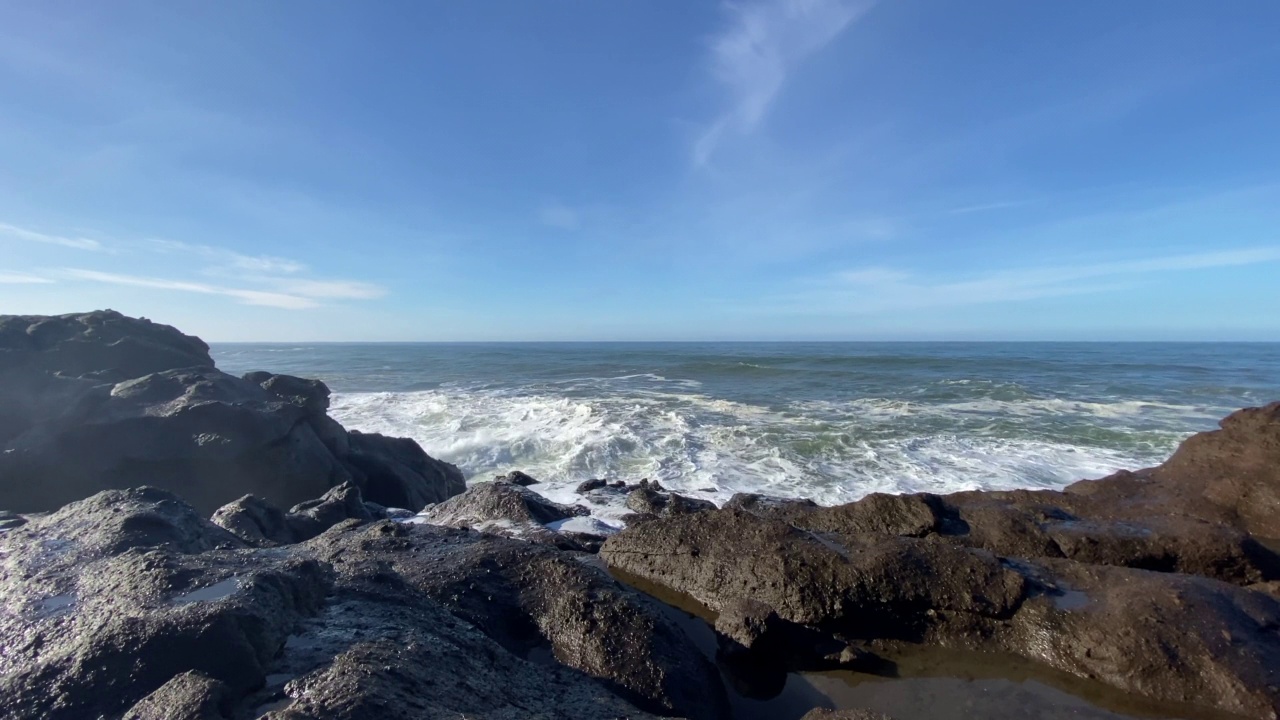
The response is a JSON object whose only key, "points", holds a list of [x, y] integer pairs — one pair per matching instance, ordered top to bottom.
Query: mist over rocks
{"points": [[99, 400]]}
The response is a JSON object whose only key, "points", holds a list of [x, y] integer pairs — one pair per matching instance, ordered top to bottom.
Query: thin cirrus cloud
{"points": [[761, 46], [17, 233], [224, 259], [16, 278], [271, 281], [878, 289], [284, 293], [248, 297]]}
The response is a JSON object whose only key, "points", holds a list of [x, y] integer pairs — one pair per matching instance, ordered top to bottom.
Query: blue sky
{"points": [[657, 169]]}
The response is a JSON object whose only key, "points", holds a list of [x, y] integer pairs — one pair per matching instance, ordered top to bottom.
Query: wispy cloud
{"points": [[761, 46], [559, 216], [16, 233], [231, 260], [13, 278], [251, 279], [328, 289], [880, 289], [248, 297]]}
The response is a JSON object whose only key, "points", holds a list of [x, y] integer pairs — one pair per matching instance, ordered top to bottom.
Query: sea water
{"points": [[827, 421]]}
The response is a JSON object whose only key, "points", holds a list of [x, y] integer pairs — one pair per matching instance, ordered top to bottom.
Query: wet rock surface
{"points": [[99, 400], [508, 509], [1210, 510], [261, 524], [129, 604], [1167, 636], [825, 714]]}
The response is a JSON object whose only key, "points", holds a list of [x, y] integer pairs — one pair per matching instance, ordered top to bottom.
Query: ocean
{"points": [[827, 421]]}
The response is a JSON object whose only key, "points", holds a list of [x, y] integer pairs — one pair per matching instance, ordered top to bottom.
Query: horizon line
{"points": [[731, 342]]}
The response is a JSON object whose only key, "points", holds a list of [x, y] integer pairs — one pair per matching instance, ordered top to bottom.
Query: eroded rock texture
{"points": [[99, 400]]}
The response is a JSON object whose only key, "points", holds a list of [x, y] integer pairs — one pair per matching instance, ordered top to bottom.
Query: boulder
{"points": [[103, 345], [99, 401], [396, 472], [1229, 476], [517, 477], [587, 486], [645, 500], [507, 509], [255, 521], [261, 524], [1049, 524], [110, 598], [537, 603], [1167, 636], [189, 696]]}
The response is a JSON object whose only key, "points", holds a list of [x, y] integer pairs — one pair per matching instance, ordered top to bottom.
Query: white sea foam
{"points": [[711, 447]]}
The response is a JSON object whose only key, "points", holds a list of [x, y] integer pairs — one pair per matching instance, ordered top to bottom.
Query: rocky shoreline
{"points": [[177, 542]]}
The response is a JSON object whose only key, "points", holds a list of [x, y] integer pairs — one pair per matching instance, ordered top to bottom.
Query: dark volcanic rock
{"points": [[103, 344], [99, 401], [395, 472], [1229, 476], [517, 477], [587, 486], [647, 501], [504, 508], [310, 518], [255, 521], [261, 524], [1043, 524], [108, 599], [535, 602], [129, 604], [1167, 636], [189, 696], [825, 714]]}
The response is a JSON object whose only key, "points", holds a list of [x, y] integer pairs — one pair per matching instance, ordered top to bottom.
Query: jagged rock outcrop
{"points": [[98, 400], [647, 501], [502, 507], [1213, 509], [261, 524], [536, 602], [130, 604], [1167, 636]]}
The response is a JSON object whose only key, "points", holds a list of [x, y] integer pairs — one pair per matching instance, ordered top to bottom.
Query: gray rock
{"points": [[104, 345], [100, 401], [396, 472], [517, 477], [647, 501], [506, 509], [310, 518], [255, 521], [261, 524], [108, 599], [536, 601], [129, 604], [1168, 636], [189, 696], [825, 714]]}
